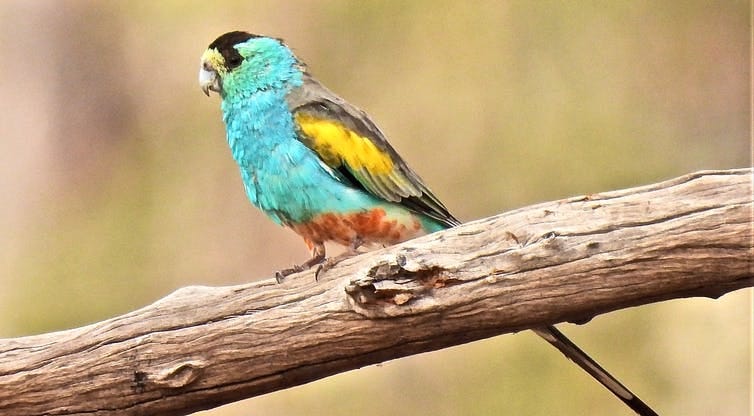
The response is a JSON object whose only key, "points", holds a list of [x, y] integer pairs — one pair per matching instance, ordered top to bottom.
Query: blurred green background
{"points": [[119, 187]]}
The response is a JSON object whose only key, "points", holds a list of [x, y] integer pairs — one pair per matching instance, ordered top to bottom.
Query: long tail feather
{"points": [[578, 356]]}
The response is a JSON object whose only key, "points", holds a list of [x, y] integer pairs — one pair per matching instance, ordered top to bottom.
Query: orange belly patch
{"points": [[373, 226]]}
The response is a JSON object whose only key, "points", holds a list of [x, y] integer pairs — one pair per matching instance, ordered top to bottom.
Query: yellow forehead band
{"points": [[215, 60]]}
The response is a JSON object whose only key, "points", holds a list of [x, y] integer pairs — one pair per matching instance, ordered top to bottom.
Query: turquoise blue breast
{"points": [[283, 177]]}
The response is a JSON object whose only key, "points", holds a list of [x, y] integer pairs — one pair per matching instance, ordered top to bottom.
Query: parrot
{"points": [[313, 162]]}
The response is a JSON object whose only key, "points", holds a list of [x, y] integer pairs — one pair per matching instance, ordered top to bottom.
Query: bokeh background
{"points": [[118, 186]]}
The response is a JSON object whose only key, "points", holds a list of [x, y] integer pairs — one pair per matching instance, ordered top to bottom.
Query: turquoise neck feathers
{"points": [[282, 177]]}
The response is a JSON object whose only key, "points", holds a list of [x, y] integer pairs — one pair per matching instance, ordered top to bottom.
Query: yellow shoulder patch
{"points": [[337, 144]]}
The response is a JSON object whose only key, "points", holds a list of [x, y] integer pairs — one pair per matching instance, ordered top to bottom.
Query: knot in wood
{"points": [[392, 285], [178, 375]]}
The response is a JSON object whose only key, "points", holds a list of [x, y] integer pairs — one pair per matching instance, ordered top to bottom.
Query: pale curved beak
{"points": [[208, 80]]}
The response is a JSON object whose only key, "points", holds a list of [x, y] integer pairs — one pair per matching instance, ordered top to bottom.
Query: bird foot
{"points": [[314, 261], [330, 262], [323, 263], [325, 266], [281, 274]]}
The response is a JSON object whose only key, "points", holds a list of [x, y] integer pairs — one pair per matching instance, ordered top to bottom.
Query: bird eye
{"points": [[234, 61]]}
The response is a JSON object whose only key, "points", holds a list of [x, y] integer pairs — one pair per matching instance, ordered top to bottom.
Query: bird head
{"points": [[240, 63]]}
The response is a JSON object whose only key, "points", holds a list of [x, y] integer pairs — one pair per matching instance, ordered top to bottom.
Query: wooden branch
{"points": [[201, 347]]}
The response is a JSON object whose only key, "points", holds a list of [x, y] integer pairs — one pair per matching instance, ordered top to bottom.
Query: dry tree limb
{"points": [[567, 260]]}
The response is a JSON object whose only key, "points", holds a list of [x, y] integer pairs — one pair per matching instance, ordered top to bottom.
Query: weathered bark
{"points": [[559, 261]]}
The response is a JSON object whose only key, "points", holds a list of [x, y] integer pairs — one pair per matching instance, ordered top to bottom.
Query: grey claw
{"points": [[320, 269]]}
